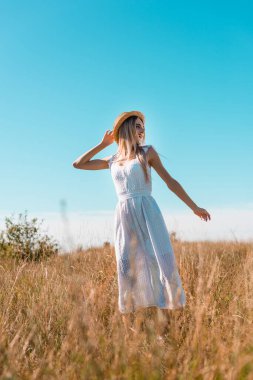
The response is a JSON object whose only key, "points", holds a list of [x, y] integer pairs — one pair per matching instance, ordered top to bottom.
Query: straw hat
{"points": [[121, 118]]}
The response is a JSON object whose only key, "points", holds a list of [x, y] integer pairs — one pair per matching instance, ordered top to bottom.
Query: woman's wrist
{"points": [[102, 145], [194, 207]]}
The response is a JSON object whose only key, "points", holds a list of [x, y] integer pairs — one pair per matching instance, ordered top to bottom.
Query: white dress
{"points": [[146, 266]]}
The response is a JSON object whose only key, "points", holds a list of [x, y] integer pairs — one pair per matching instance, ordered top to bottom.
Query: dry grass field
{"points": [[60, 320]]}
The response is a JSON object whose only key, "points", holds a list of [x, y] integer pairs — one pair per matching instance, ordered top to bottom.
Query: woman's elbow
{"points": [[75, 165], [172, 183]]}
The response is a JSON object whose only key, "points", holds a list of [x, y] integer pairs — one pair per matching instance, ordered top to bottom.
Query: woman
{"points": [[146, 266]]}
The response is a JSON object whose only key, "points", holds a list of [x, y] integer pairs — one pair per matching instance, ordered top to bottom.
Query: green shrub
{"points": [[23, 240]]}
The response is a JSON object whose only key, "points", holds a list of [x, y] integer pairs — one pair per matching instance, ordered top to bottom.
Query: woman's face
{"points": [[139, 129]]}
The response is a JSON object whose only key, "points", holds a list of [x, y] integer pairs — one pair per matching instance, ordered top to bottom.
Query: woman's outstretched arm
{"points": [[84, 161], [174, 185]]}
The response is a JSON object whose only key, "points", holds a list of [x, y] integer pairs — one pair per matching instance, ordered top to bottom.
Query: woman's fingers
{"points": [[108, 132], [203, 214], [206, 216]]}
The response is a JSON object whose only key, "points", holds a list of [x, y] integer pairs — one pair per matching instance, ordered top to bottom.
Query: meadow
{"points": [[59, 318]]}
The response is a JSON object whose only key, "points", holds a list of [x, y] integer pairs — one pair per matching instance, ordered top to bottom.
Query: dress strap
{"points": [[146, 147], [110, 160]]}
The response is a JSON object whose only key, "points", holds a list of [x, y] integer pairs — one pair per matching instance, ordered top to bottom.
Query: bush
{"points": [[23, 240]]}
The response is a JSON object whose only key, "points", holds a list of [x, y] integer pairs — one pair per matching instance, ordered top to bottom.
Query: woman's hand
{"points": [[108, 138], [202, 213]]}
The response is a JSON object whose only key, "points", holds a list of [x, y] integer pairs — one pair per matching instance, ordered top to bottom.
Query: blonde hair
{"points": [[128, 144]]}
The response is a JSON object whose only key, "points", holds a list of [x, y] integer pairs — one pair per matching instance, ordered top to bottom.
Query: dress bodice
{"points": [[129, 178]]}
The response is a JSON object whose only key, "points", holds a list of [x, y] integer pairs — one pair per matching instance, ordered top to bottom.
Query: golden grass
{"points": [[60, 319]]}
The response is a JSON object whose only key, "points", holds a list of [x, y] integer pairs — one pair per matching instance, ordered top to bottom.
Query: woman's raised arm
{"points": [[84, 161]]}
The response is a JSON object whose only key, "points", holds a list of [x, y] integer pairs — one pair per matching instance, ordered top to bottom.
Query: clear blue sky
{"points": [[68, 68]]}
